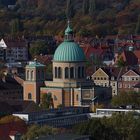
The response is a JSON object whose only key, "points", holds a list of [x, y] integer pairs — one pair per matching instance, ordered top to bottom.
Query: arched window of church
{"points": [[83, 71], [55, 72], [59, 72], [66, 72], [71, 72], [79, 72], [27, 74], [32, 75], [29, 96]]}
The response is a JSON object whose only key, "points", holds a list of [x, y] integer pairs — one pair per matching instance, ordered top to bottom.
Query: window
{"points": [[55, 69], [59, 72], [66, 72], [71, 72], [79, 72], [83, 72], [27, 74], [32, 75], [104, 78], [137, 79], [120, 85], [29, 96], [77, 97]]}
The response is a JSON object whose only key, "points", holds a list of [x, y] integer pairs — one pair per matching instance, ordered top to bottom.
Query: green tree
{"points": [[85, 7], [92, 7], [70, 9], [137, 30], [40, 47], [121, 63], [126, 98], [46, 101], [117, 127], [35, 131]]}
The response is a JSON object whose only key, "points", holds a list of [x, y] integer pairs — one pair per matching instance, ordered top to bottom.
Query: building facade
{"points": [[13, 50], [35, 77], [105, 78]]}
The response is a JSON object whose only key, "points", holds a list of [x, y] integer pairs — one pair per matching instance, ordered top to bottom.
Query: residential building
{"points": [[13, 50], [106, 78], [128, 80], [10, 88]]}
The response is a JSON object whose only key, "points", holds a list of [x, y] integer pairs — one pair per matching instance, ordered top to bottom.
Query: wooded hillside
{"points": [[89, 17]]}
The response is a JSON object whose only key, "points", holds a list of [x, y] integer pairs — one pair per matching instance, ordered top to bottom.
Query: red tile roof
{"points": [[89, 50]]}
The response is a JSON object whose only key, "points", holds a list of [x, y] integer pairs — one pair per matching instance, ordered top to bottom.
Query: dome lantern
{"points": [[68, 33]]}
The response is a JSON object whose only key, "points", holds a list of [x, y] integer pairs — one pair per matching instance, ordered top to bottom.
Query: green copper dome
{"points": [[69, 51]]}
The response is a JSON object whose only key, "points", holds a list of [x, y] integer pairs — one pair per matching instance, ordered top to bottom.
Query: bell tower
{"points": [[35, 77]]}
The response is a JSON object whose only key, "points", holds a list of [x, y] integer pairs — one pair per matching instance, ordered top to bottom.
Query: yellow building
{"points": [[104, 78]]}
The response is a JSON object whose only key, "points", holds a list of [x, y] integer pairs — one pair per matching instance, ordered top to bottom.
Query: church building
{"points": [[69, 86]]}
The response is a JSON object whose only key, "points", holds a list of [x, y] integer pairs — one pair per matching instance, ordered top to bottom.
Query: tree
{"points": [[85, 7], [92, 7], [70, 9], [137, 30], [40, 47], [121, 63], [126, 98], [46, 101], [117, 127], [35, 131]]}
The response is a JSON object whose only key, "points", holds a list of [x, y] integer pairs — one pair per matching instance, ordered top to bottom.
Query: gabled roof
{"points": [[99, 71], [114, 72], [131, 72]]}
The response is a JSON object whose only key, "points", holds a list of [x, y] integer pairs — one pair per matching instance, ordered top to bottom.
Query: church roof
{"points": [[69, 51]]}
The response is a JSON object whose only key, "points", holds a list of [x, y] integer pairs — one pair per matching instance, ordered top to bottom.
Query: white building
{"points": [[13, 50]]}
